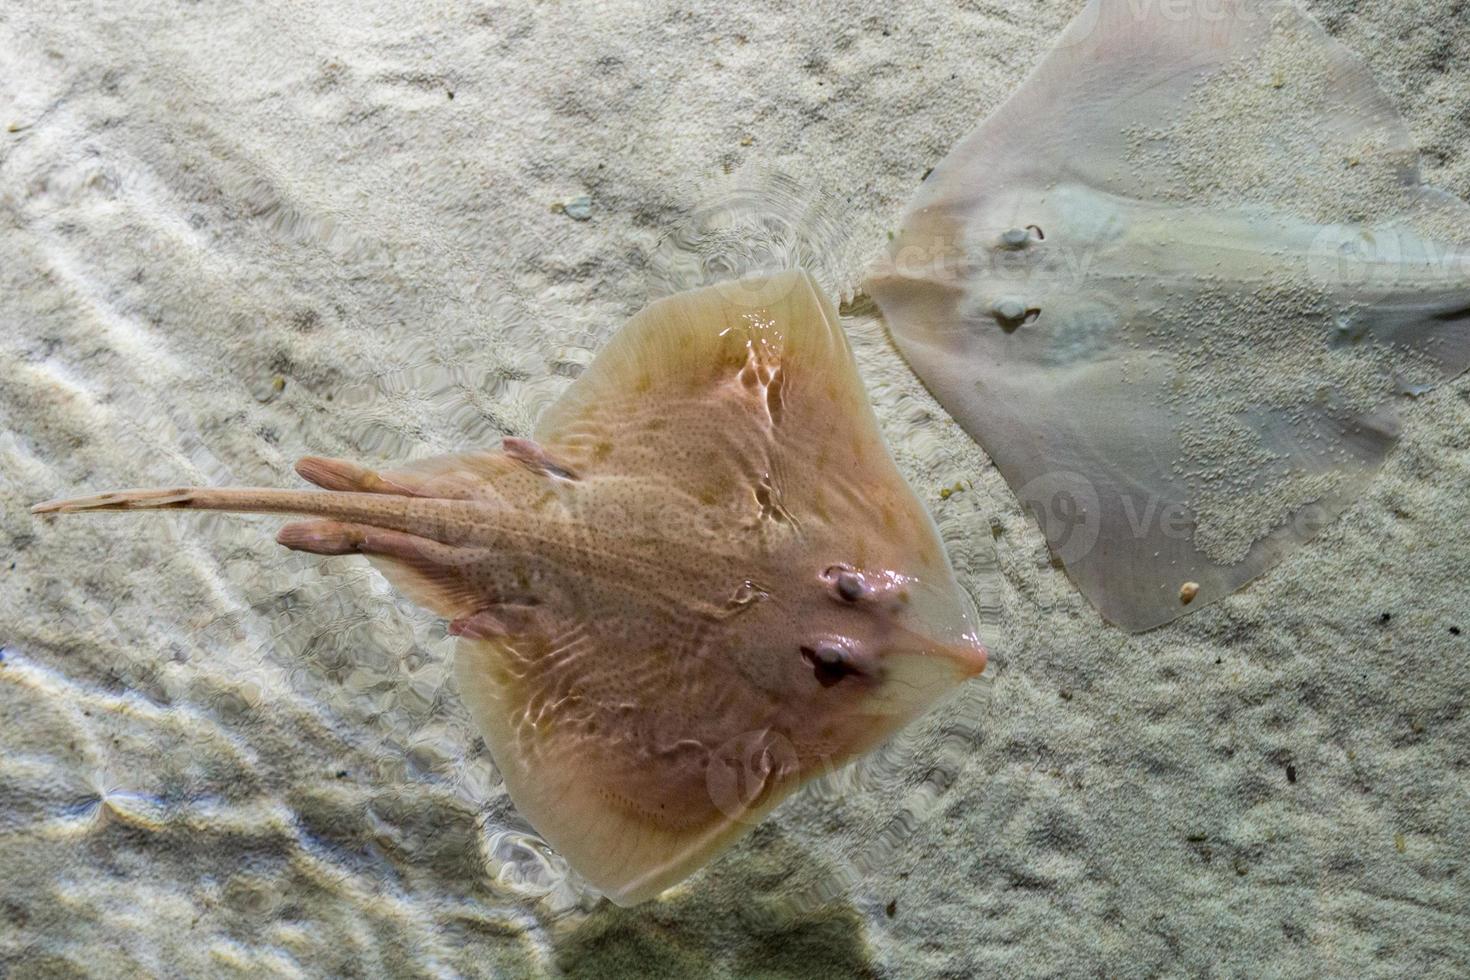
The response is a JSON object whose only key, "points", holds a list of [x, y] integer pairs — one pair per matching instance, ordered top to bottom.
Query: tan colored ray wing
{"points": [[1144, 286], [746, 398], [737, 420], [631, 792], [631, 825]]}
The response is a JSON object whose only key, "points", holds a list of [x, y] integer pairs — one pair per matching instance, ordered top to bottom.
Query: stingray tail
{"points": [[425, 517]]}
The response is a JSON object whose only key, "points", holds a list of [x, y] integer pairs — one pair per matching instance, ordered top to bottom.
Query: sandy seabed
{"points": [[234, 235]]}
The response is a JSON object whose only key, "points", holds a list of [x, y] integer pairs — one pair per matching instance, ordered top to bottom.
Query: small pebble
{"points": [[578, 208], [271, 390], [1187, 592], [1290, 773], [891, 908]]}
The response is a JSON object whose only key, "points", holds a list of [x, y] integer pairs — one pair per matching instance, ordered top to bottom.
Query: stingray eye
{"points": [[1015, 238], [1011, 313], [846, 584], [830, 662]]}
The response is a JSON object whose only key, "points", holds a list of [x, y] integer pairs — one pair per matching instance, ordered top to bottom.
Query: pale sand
{"points": [[232, 237]]}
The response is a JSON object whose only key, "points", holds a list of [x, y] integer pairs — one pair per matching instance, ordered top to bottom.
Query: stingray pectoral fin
{"points": [[1099, 107], [703, 387], [744, 396], [631, 824]]}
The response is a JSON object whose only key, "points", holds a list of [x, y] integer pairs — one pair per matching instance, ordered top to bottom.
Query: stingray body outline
{"points": [[1181, 344], [702, 583]]}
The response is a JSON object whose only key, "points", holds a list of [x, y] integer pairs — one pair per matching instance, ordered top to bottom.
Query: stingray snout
{"points": [[967, 655], [946, 659]]}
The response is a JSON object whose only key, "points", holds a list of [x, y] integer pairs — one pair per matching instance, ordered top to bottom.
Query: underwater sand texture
{"points": [[1185, 357], [218, 759]]}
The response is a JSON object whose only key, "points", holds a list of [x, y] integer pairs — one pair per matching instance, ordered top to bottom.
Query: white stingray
{"points": [[1174, 286]]}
